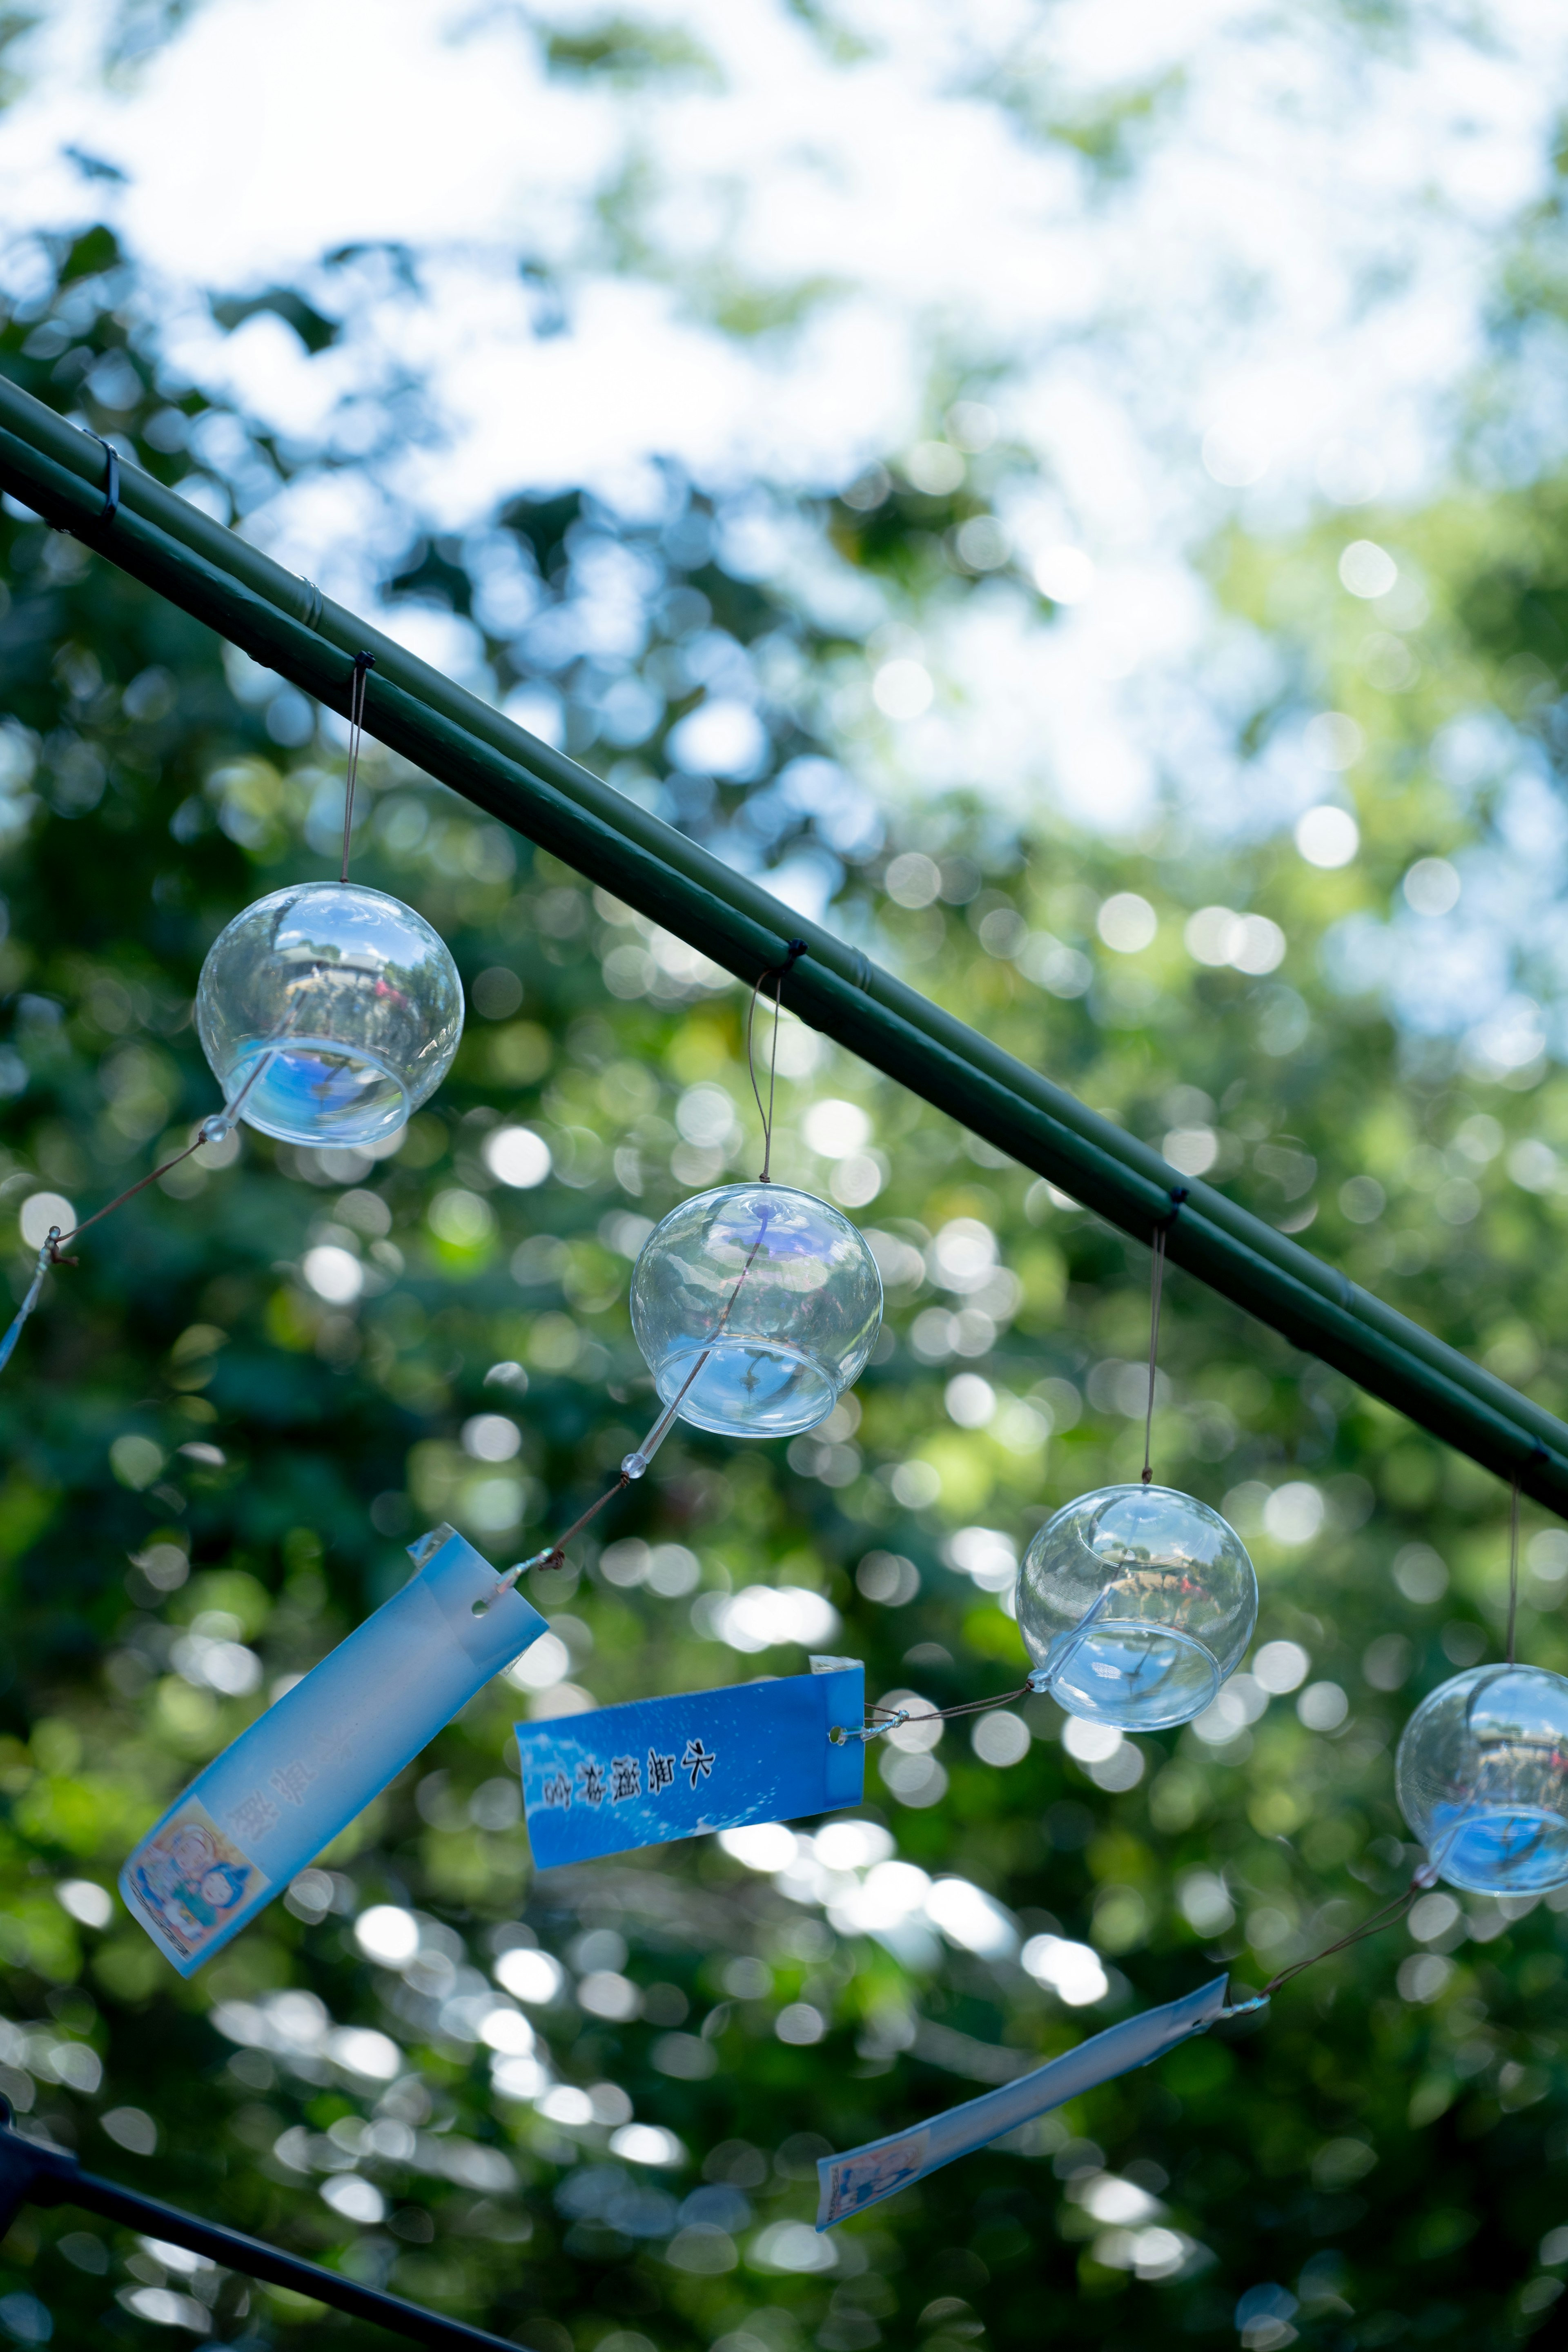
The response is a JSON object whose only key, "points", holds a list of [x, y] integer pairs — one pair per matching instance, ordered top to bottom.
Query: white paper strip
{"points": [[850, 2183]]}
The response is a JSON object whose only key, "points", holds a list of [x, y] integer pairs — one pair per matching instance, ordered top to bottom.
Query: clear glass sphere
{"points": [[340, 1006], [769, 1296], [1135, 1604], [1482, 1774]]}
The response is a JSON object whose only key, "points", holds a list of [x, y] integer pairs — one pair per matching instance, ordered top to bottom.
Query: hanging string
{"points": [[364, 663], [778, 973], [211, 1131], [49, 1254], [1156, 1285], [1156, 1290], [636, 1464], [633, 1465], [1514, 1566], [1422, 1879], [1388, 1916]]}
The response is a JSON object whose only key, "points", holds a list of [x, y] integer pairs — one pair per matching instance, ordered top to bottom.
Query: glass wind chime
{"points": [[327, 1012], [755, 1306], [1137, 1601], [1482, 1771]]}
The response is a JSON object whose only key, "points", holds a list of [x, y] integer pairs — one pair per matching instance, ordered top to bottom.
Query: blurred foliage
{"points": [[269, 1375]]}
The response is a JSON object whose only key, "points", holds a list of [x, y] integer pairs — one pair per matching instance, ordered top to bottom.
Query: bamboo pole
{"points": [[284, 623]]}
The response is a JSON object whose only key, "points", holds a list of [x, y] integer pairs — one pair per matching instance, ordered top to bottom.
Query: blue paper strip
{"points": [[672, 1768], [284, 1788], [849, 2183]]}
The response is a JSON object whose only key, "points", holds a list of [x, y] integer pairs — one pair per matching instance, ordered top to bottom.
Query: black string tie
{"points": [[110, 481]]}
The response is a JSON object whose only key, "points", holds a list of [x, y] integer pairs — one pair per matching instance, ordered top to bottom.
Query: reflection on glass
{"points": [[334, 1011], [755, 1306], [1135, 1604], [1482, 1776]]}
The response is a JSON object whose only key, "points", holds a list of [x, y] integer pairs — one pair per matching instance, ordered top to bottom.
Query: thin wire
{"points": [[363, 663], [778, 973], [212, 1130], [56, 1239], [49, 1253], [1156, 1285], [1156, 1291], [637, 1461], [577, 1526], [552, 1556], [1514, 1566], [942, 1714], [879, 1719], [1389, 1916]]}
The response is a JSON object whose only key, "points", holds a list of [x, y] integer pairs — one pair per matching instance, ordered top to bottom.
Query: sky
{"points": [[1269, 296]]}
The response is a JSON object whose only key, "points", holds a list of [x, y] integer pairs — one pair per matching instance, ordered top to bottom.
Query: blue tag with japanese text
{"points": [[673, 1768], [847, 2184]]}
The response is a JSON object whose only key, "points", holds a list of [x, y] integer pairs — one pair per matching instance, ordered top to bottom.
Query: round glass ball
{"points": [[335, 1009], [757, 1307], [1135, 1604], [1482, 1776]]}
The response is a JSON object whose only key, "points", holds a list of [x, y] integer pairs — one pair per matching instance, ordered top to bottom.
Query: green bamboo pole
{"points": [[284, 623]]}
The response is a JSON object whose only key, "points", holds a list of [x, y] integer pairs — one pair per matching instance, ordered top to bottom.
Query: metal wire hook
{"points": [[840, 1734]]}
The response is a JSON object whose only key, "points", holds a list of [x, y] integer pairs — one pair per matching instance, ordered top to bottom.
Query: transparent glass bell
{"points": [[335, 1009], [756, 1305], [1135, 1604], [1482, 1774]]}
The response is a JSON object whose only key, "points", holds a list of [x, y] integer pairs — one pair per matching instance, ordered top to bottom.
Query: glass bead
{"points": [[341, 1006], [768, 1296], [1135, 1603], [1482, 1776]]}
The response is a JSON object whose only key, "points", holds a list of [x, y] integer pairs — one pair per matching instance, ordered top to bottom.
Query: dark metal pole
{"points": [[285, 623], [31, 2174]]}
